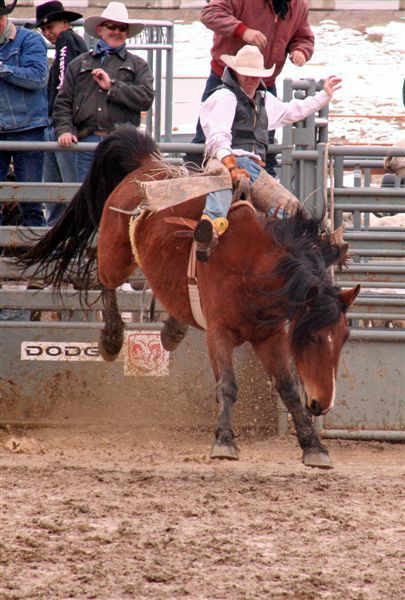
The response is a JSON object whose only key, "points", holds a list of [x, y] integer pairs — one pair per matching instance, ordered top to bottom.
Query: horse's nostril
{"points": [[315, 408]]}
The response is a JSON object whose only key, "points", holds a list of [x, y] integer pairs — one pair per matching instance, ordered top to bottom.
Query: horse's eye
{"points": [[312, 338]]}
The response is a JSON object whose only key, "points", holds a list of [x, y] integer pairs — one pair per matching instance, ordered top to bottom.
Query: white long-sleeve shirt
{"points": [[218, 112]]}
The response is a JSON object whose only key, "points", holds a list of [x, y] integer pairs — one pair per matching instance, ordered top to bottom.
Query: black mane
{"points": [[308, 295]]}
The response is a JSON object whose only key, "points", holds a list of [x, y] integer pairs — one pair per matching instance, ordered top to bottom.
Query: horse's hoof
{"points": [[172, 333], [168, 342], [106, 355], [228, 452], [320, 460]]}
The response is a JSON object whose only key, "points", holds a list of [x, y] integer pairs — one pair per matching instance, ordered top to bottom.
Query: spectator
{"points": [[54, 22], [277, 27], [104, 87], [23, 105], [235, 120]]}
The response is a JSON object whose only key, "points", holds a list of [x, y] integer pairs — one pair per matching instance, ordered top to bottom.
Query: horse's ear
{"points": [[312, 295], [349, 296]]}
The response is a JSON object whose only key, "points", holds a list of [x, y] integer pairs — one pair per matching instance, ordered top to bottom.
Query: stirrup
{"points": [[204, 235]]}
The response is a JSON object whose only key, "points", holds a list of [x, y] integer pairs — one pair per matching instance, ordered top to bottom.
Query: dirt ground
{"points": [[144, 513]]}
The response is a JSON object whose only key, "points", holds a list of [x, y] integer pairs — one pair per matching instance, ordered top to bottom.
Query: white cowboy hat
{"points": [[117, 13], [248, 61]]}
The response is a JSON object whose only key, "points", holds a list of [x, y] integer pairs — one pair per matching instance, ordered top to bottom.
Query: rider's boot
{"points": [[206, 235]]}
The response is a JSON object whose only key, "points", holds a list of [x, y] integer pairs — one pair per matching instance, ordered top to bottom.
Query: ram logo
{"points": [[145, 355]]}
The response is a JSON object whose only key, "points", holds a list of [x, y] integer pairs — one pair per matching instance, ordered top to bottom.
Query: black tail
{"points": [[63, 253]]}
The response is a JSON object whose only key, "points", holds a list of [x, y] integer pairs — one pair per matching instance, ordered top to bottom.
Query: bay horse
{"points": [[268, 283]]}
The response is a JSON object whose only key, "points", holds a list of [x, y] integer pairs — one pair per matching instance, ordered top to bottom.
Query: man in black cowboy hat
{"points": [[6, 8], [54, 22], [23, 104]]}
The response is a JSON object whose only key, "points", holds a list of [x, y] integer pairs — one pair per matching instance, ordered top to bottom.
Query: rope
{"points": [[328, 166], [133, 223]]}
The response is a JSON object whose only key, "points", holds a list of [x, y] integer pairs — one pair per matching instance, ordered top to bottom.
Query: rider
{"points": [[235, 119]]}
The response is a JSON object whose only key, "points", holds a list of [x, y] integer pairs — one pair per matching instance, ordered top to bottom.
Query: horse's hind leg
{"points": [[172, 333], [112, 336], [221, 349]]}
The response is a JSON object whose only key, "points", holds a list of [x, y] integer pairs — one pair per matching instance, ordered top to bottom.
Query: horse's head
{"points": [[317, 348]]}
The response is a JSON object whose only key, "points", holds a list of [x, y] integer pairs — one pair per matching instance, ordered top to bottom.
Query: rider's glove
{"points": [[236, 172]]}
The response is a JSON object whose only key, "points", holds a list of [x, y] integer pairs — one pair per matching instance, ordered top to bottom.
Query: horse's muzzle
{"points": [[315, 409]]}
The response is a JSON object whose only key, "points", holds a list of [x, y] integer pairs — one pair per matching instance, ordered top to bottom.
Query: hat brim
{"points": [[5, 10], [62, 15], [91, 23], [229, 60]]}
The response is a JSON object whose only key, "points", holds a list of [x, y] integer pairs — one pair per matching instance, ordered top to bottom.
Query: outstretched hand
{"points": [[332, 84]]}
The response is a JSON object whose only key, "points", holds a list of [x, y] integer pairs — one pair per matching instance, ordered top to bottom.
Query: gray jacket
{"points": [[82, 107]]}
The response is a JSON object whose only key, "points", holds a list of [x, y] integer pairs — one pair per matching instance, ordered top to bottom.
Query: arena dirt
{"points": [[111, 513]]}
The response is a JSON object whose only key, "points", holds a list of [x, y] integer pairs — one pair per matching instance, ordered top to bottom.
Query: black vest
{"points": [[250, 125]]}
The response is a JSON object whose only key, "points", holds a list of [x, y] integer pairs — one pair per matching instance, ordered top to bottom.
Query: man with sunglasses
{"points": [[104, 87]]}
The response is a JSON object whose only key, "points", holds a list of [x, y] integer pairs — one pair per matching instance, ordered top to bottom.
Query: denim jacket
{"points": [[23, 80]]}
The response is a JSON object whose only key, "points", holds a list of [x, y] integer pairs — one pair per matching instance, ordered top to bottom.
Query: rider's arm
{"points": [[283, 113]]}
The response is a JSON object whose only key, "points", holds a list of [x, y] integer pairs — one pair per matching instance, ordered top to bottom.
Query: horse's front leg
{"points": [[112, 336], [220, 346], [274, 354], [315, 454]]}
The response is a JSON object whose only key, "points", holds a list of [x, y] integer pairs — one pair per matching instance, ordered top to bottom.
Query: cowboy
{"points": [[54, 22], [103, 87], [23, 105], [235, 120]]}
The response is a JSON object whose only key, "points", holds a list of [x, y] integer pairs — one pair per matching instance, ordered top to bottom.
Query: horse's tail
{"points": [[63, 253]]}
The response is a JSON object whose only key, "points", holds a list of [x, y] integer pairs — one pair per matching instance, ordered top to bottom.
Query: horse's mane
{"points": [[307, 284]]}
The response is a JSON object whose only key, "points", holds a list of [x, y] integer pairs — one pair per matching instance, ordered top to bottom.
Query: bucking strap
{"points": [[193, 291]]}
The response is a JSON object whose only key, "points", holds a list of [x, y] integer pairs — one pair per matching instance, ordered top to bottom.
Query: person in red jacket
{"points": [[279, 29]]}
